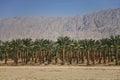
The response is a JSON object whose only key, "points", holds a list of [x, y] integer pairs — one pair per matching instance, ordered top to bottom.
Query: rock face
{"points": [[96, 25]]}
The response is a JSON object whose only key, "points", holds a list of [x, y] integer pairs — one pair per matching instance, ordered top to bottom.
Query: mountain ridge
{"points": [[95, 25]]}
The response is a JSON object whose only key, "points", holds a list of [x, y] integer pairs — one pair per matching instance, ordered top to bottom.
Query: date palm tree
{"points": [[63, 41], [28, 44], [48, 44], [116, 44], [93, 45], [16, 46], [40, 47], [104, 47], [98, 48], [6, 49], [76, 49], [82, 49], [36, 50], [56, 50], [1, 51], [69, 51]]}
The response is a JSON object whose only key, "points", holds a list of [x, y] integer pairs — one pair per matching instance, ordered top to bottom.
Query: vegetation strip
{"points": [[64, 51]]}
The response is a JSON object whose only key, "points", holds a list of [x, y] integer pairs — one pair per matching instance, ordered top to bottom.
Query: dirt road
{"points": [[59, 73]]}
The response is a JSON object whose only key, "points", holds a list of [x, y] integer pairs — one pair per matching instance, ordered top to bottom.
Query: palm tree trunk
{"points": [[88, 52], [33, 54], [43, 54], [26, 55], [63, 55], [82, 55], [36, 56], [67, 56], [70, 56], [77, 56], [109, 56], [116, 56], [6, 57], [16, 57], [20, 57], [40, 57], [49, 57], [56, 57], [94, 57], [100, 57], [104, 57]]}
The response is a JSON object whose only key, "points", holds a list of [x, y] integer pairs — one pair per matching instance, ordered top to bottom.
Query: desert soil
{"points": [[59, 73]]}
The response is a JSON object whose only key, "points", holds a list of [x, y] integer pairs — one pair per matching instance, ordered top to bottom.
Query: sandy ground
{"points": [[59, 73]]}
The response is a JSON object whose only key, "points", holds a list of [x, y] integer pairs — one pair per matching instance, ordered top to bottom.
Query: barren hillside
{"points": [[95, 25]]}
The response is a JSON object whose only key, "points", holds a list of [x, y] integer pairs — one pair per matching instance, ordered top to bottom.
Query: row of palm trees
{"points": [[63, 51]]}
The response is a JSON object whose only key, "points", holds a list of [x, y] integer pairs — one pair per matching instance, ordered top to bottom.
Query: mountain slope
{"points": [[96, 25]]}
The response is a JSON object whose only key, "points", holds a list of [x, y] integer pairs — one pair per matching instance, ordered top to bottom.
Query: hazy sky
{"points": [[18, 8]]}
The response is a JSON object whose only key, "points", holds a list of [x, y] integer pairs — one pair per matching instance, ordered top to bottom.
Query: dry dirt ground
{"points": [[59, 73]]}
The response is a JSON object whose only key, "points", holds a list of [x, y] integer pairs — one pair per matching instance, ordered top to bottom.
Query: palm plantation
{"points": [[63, 51]]}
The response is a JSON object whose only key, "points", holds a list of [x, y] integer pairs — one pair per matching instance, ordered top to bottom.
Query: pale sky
{"points": [[53, 8]]}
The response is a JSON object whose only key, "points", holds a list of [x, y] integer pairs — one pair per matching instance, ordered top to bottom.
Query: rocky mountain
{"points": [[95, 25]]}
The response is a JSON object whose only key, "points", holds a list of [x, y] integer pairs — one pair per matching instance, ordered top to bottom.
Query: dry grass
{"points": [[53, 72]]}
